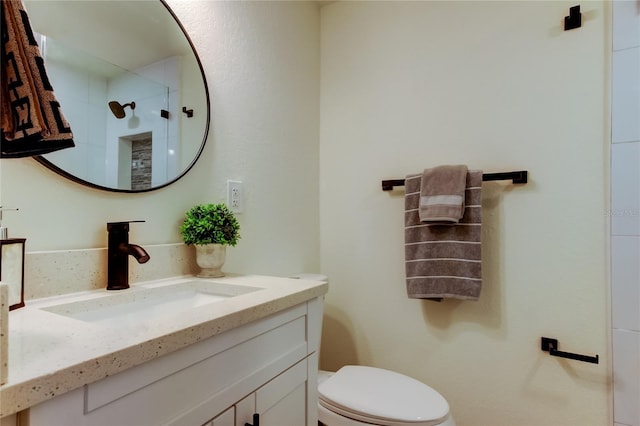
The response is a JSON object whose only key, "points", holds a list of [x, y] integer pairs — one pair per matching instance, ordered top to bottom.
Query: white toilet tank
{"points": [[315, 277]]}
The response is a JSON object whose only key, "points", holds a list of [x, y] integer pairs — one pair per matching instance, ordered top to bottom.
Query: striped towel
{"points": [[31, 122], [442, 192], [444, 260]]}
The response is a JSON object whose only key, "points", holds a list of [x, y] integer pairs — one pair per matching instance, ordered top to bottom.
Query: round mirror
{"points": [[131, 86]]}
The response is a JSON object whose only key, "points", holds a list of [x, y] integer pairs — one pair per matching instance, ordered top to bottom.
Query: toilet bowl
{"points": [[361, 396]]}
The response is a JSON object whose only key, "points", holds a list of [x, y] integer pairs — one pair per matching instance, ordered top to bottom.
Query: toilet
{"points": [[357, 395]]}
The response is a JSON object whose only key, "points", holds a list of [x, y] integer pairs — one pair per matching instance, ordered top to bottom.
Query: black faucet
{"points": [[118, 255]]}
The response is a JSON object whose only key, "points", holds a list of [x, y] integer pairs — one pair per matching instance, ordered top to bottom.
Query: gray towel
{"points": [[442, 191], [444, 261]]}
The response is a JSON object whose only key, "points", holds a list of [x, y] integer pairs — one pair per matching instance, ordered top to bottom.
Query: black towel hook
{"points": [[574, 20], [189, 112]]}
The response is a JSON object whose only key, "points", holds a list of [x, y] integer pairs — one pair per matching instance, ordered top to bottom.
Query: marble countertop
{"points": [[50, 354]]}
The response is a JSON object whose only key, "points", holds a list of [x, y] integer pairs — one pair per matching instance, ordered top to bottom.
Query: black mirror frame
{"points": [[76, 179]]}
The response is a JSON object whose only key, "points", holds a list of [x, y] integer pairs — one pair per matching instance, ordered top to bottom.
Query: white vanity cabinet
{"points": [[268, 367]]}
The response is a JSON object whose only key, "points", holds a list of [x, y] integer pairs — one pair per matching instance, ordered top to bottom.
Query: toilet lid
{"points": [[382, 396]]}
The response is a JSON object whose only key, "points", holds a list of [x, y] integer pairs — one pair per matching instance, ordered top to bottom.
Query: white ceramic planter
{"points": [[210, 258]]}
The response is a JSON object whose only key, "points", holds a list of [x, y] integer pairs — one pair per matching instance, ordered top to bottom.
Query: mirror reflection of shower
{"points": [[134, 100], [118, 109]]}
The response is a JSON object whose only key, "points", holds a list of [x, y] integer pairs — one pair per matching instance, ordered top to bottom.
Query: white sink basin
{"points": [[148, 303]]}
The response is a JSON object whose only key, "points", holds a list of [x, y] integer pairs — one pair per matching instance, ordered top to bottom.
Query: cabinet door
{"points": [[280, 402], [245, 410], [289, 411], [225, 419]]}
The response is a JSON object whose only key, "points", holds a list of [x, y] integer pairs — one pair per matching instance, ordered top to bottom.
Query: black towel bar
{"points": [[517, 177], [551, 345]]}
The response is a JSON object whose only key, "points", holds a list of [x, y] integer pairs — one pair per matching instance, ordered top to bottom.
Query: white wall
{"points": [[262, 65], [498, 86], [625, 212]]}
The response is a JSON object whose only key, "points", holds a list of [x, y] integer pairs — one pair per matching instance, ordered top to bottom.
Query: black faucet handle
{"points": [[118, 251]]}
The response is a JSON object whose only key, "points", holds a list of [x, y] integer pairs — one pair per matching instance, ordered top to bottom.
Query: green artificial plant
{"points": [[210, 224]]}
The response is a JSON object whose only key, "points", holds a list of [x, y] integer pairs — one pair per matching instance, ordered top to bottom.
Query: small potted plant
{"points": [[211, 228]]}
